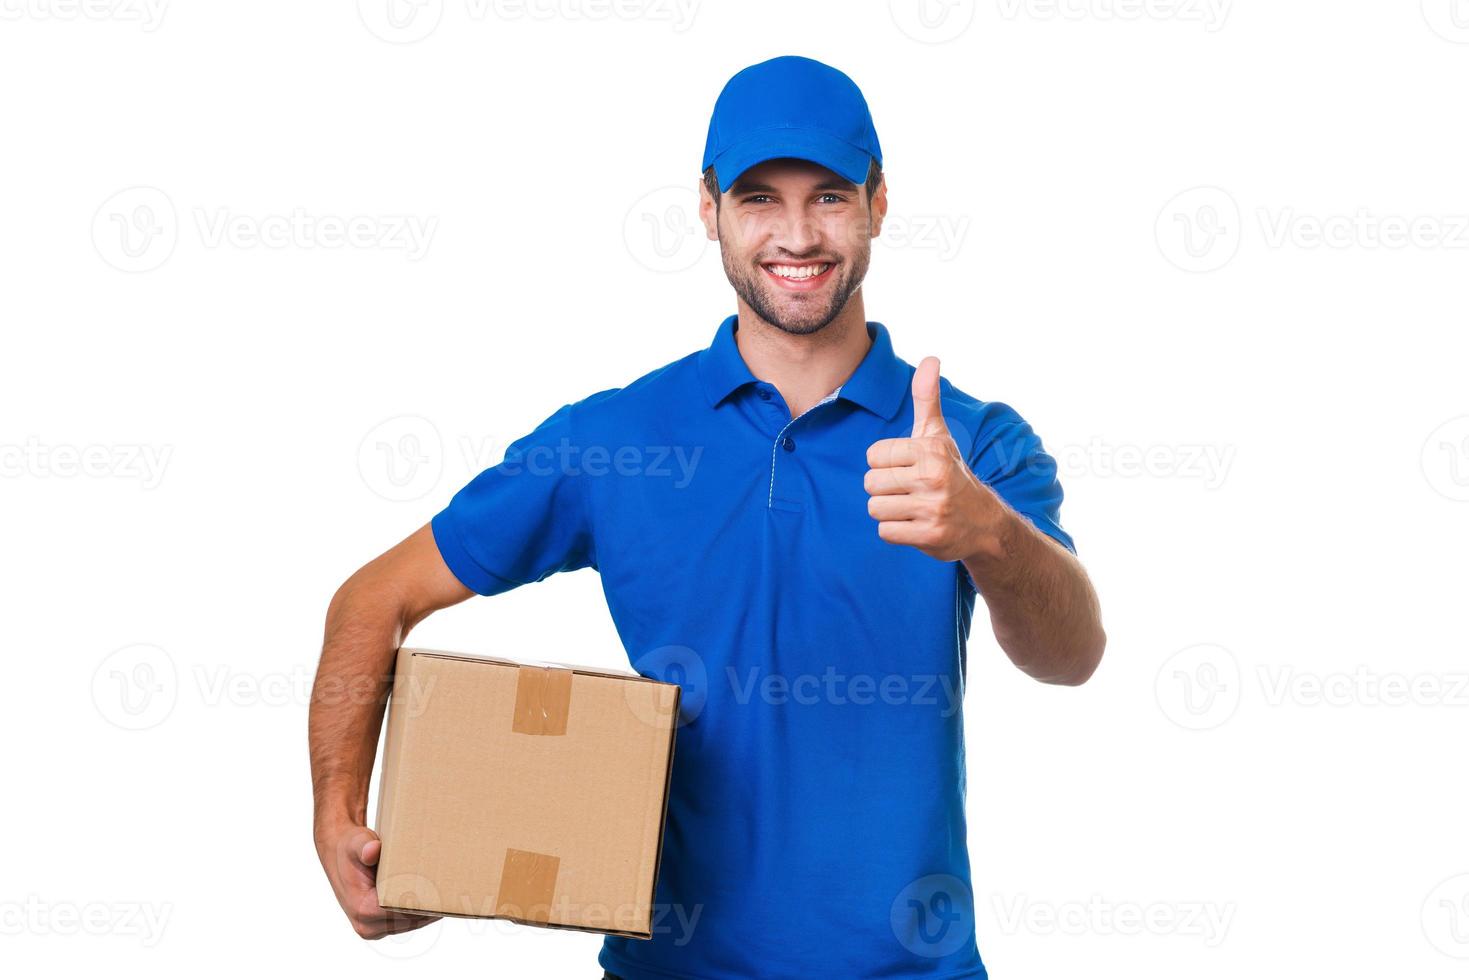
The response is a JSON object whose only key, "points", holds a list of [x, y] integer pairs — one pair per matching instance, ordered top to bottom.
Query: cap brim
{"points": [[830, 152]]}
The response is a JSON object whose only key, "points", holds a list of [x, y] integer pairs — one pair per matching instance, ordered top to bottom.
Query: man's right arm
{"points": [[367, 620]]}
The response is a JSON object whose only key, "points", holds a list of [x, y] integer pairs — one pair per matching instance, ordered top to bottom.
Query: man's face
{"points": [[796, 239]]}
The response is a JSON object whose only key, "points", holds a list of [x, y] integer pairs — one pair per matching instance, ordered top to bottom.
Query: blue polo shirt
{"points": [[816, 823]]}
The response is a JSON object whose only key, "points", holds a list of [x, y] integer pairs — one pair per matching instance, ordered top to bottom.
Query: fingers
{"points": [[928, 414], [913, 451], [892, 452], [927, 467], [892, 479], [884, 481], [918, 487], [894, 507], [916, 533], [358, 852], [350, 860], [366, 909], [372, 921], [387, 923], [394, 927]]}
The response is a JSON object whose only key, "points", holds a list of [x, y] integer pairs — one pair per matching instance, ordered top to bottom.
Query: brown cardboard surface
{"points": [[530, 792]]}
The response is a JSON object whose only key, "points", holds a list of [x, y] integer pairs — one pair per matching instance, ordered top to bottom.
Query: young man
{"points": [[804, 561]]}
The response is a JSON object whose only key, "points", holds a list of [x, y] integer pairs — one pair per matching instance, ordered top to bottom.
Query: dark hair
{"points": [[874, 177]]}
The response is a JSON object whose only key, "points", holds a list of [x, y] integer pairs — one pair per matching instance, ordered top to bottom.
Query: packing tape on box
{"points": [[542, 701], [527, 885]]}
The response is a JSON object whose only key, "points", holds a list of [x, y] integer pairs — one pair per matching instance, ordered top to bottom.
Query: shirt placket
{"points": [[784, 440]]}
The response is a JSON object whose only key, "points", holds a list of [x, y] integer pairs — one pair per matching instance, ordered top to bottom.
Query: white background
{"points": [[1255, 391]]}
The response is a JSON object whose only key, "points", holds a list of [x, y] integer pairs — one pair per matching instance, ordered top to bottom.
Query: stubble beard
{"points": [[753, 286]]}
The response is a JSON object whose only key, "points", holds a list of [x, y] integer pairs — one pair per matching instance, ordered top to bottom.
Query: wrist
{"points": [[992, 544], [331, 824]]}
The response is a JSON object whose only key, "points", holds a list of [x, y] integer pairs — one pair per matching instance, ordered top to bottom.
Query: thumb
{"points": [[928, 415], [369, 850]]}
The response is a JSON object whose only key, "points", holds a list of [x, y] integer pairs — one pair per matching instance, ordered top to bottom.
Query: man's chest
{"points": [[762, 544]]}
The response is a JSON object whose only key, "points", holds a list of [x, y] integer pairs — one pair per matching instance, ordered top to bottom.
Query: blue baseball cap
{"points": [[791, 107]]}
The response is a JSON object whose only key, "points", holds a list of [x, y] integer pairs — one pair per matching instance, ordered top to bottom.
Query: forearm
{"points": [[1042, 606], [364, 629]]}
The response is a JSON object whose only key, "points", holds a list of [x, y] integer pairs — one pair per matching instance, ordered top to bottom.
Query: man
{"points": [[807, 570]]}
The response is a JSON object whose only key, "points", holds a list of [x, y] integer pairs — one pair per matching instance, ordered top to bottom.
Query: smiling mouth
{"points": [[804, 275]]}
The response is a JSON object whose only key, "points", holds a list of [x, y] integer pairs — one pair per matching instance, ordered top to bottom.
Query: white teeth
{"points": [[798, 271]]}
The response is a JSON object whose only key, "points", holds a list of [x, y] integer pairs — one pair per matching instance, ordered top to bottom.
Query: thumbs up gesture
{"points": [[921, 491]]}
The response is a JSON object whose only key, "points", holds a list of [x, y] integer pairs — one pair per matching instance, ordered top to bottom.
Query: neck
{"points": [[804, 368]]}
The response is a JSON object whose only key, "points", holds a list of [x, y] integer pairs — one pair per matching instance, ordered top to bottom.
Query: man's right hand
{"points": [[366, 623], [349, 855]]}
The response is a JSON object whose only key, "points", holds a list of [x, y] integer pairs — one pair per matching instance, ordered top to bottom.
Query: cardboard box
{"points": [[530, 792]]}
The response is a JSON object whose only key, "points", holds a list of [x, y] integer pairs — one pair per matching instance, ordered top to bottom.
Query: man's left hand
{"points": [[923, 493]]}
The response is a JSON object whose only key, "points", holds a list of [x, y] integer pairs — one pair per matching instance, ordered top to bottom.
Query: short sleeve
{"points": [[1009, 457], [524, 518]]}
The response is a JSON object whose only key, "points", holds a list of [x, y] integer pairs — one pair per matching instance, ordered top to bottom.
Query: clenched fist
{"points": [[923, 493]]}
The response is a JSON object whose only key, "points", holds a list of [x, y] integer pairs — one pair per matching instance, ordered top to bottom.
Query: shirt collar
{"points": [[879, 384]]}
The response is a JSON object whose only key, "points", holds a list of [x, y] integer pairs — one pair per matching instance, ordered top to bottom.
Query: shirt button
{"points": [[788, 444]]}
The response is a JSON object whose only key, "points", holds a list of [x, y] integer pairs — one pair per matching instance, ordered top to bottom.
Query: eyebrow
{"points": [[750, 187]]}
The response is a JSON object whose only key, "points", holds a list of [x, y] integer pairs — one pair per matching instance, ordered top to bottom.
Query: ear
{"points": [[879, 208], [708, 213]]}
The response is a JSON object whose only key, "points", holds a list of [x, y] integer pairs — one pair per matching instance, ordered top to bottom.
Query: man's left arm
{"points": [[1043, 609]]}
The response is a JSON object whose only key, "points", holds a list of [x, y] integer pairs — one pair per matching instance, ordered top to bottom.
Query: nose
{"points": [[797, 236]]}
